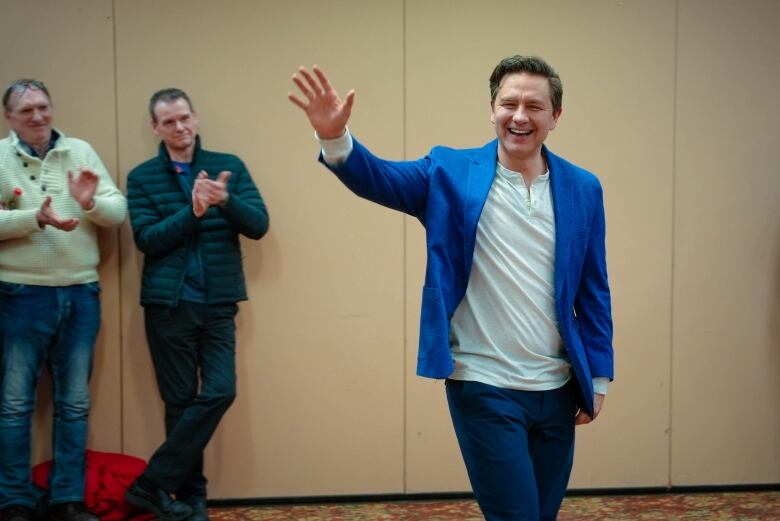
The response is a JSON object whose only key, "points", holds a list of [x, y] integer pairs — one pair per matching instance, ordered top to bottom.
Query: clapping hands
{"points": [[207, 192]]}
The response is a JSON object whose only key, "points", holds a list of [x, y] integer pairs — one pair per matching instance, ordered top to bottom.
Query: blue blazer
{"points": [[446, 191]]}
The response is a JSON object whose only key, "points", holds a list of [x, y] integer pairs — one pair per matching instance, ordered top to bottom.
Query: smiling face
{"points": [[29, 114], [523, 115], [176, 124]]}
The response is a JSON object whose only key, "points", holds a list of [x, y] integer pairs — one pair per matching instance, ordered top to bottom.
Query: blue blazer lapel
{"points": [[480, 177], [561, 187]]}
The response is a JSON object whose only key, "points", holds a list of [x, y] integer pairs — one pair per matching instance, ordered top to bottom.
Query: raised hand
{"points": [[327, 113], [83, 187], [47, 215]]}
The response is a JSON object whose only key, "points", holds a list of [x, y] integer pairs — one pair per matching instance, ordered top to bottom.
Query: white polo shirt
{"points": [[505, 330]]}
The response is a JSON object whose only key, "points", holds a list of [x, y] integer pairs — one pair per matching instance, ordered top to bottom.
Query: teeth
{"points": [[520, 132]]}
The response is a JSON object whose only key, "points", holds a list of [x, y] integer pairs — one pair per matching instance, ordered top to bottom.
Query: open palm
{"points": [[327, 113], [83, 187]]}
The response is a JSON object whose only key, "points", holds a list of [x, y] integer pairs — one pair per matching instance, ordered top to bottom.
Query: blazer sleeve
{"points": [[400, 185], [592, 302]]}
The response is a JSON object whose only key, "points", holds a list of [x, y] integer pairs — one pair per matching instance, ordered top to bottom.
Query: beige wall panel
{"points": [[68, 45], [617, 63], [320, 343], [726, 344]]}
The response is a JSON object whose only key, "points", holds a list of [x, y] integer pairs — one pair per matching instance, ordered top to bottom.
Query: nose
{"points": [[520, 115], [38, 116], [179, 126]]}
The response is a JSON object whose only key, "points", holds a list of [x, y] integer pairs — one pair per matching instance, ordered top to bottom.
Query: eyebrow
{"points": [[530, 99]]}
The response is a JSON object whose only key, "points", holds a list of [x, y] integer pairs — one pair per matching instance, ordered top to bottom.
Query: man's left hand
{"points": [[83, 187], [582, 417]]}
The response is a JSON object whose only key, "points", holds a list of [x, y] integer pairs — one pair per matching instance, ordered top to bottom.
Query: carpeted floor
{"points": [[741, 506]]}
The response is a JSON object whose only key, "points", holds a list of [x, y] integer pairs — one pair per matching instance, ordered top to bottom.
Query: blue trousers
{"points": [[42, 325], [193, 351], [518, 447]]}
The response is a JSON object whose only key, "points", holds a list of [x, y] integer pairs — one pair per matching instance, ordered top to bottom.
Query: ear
{"points": [[492, 113], [556, 115], [153, 124]]}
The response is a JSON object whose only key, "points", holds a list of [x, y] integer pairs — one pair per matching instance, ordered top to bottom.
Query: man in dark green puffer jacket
{"points": [[188, 207]]}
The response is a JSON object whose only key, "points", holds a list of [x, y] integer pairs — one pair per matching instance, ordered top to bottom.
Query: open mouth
{"points": [[521, 133]]}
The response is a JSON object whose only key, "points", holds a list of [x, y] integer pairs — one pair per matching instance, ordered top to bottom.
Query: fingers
{"points": [[315, 86], [326, 86], [303, 88], [292, 97], [348, 101], [85, 174], [88, 176], [199, 179], [207, 192], [198, 207], [47, 216], [66, 224], [582, 418]]}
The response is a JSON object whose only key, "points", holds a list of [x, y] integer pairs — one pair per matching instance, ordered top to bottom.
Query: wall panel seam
{"points": [[119, 235], [405, 269], [670, 433]]}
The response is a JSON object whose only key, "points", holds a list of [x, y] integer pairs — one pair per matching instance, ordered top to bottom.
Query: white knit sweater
{"points": [[52, 257]]}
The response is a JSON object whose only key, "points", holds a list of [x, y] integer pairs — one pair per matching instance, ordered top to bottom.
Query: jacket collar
{"points": [[165, 159], [482, 170], [561, 188]]}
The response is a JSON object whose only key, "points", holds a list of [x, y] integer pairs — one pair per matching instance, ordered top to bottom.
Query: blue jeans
{"points": [[54, 326], [518, 447]]}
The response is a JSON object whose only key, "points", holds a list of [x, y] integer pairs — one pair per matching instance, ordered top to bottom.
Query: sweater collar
{"points": [[55, 143]]}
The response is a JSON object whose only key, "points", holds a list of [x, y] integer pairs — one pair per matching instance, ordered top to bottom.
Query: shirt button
{"points": [[25, 165], [32, 178], [43, 188]]}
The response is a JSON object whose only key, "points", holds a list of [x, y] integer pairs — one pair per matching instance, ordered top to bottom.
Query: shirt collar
{"points": [[32, 152], [511, 174]]}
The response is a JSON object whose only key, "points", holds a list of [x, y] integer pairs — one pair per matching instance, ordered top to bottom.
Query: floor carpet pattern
{"points": [[727, 506]]}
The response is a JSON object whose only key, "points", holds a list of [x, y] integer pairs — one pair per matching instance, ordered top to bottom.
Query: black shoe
{"points": [[159, 502], [199, 510], [71, 512], [17, 513]]}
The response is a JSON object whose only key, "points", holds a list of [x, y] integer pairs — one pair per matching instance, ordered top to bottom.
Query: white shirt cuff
{"points": [[336, 151], [600, 385]]}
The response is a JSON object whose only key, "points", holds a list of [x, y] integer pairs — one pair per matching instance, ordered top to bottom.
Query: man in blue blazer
{"points": [[516, 309]]}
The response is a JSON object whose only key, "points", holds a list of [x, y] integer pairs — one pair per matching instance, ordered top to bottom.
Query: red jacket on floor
{"points": [[108, 476]]}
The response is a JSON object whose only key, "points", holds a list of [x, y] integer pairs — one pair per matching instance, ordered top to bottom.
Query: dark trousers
{"points": [[193, 351], [518, 447]]}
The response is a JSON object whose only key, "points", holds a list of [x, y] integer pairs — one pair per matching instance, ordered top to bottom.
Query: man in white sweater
{"points": [[54, 194]]}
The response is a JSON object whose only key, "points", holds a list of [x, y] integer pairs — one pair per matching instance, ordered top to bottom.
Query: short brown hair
{"points": [[531, 65], [167, 96]]}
